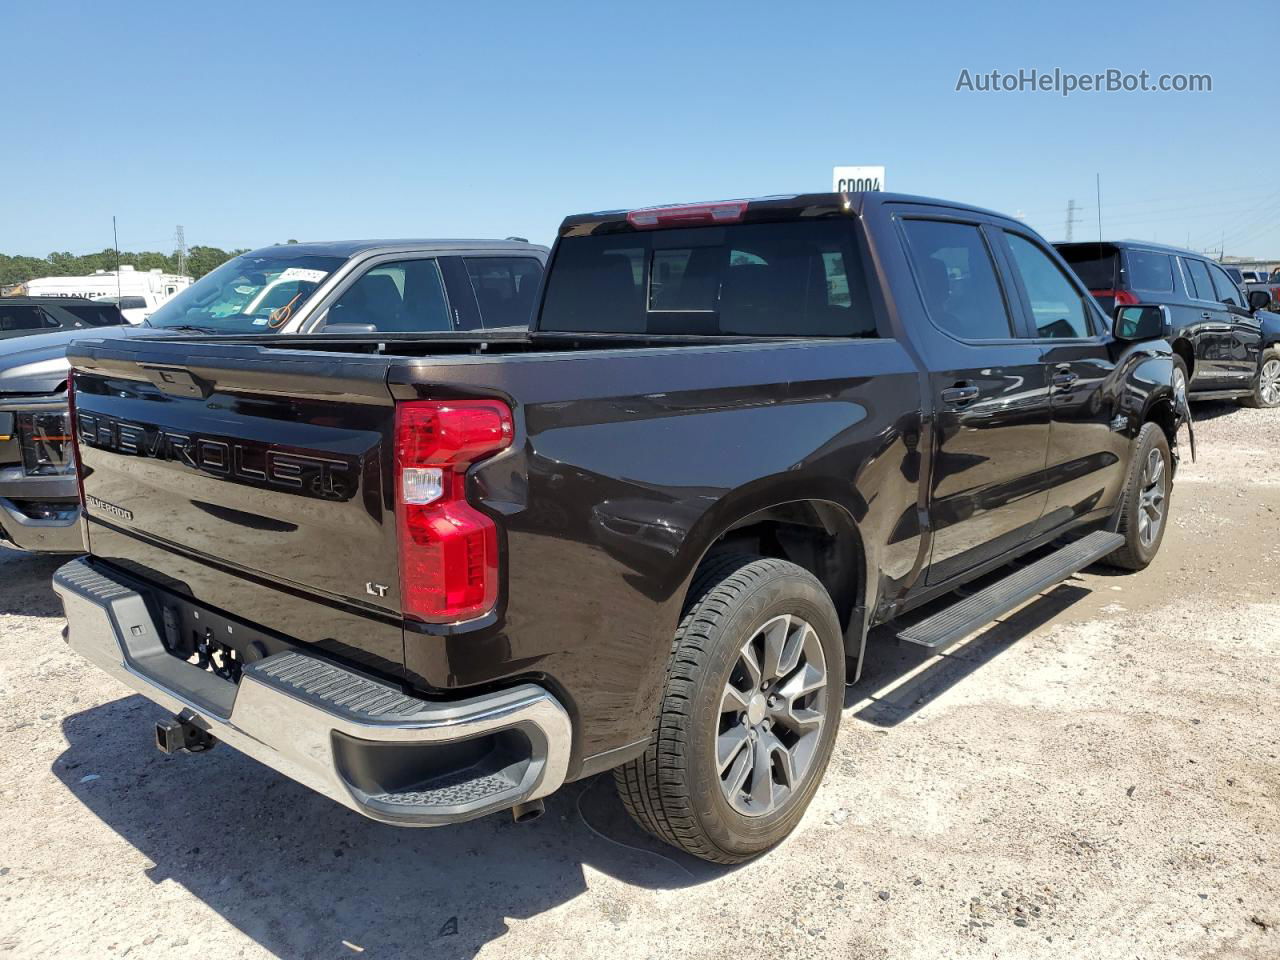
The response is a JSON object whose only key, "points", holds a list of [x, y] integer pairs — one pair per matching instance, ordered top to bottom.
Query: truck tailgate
{"points": [[257, 480]]}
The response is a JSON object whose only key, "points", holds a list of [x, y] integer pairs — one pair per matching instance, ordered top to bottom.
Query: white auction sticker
{"points": [[303, 274]]}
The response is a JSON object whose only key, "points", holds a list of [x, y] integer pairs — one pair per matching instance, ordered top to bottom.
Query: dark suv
{"points": [[24, 316], [1224, 338]]}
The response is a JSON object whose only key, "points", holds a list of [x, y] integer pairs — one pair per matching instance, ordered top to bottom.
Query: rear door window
{"points": [[1150, 272], [957, 278], [759, 279], [1201, 285], [1224, 287], [504, 288], [406, 296], [1058, 309], [21, 317]]}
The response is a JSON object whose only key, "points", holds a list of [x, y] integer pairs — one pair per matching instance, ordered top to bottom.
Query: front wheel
{"points": [[1266, 385], [1144, 512], [749, 715]]}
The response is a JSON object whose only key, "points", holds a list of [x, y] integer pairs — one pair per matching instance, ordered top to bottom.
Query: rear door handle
{"points": [[957, 396]]}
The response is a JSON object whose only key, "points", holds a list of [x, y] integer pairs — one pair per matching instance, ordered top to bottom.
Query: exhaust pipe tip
{"points": [[528, 811]]}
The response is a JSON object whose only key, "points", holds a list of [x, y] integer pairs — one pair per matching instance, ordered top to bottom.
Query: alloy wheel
{"points": [[1269, 382], [1179, 387], [1153, 493], [771, 716]]}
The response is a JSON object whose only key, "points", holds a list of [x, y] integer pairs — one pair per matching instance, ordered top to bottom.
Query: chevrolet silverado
{"points": [[433, 576]]}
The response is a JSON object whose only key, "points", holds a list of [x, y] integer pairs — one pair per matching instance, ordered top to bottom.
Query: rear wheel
{"points": [[1266, 385], [1145, 509], [749, 715]]}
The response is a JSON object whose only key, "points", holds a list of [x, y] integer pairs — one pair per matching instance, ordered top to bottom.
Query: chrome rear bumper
{"points": [[362, 742]]}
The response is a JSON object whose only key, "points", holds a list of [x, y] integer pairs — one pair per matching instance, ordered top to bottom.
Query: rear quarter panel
{"points": [[626, 467]]}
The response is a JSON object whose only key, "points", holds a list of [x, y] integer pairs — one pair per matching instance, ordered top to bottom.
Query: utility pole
{"points": [[1097, 179], [1072, 219], [115, 242], [180, 244]]}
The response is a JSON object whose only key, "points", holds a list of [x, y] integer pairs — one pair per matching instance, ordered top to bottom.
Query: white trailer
{"points": [[138, 292]]}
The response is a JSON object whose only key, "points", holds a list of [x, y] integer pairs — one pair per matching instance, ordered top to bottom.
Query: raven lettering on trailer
{"points": [[257, 464]]}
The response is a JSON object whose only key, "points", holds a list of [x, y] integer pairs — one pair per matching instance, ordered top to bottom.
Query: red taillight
{"points": [[688, 214], [1123, 298], [448, 548]]}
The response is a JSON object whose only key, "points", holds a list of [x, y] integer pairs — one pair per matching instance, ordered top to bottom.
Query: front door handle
{"points": [[1206, 315], [1065, 379], [960, 395]]}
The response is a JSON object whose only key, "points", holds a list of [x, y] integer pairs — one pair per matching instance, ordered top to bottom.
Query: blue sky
{"points": [[251, 123]]}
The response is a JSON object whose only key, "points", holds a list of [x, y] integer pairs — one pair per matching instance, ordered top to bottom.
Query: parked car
{"points": [[404, 286], [30, 316], [1227, 345], [435, 576]]}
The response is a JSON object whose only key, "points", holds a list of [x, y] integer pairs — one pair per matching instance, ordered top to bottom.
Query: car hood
{"points": [[38, 364]]}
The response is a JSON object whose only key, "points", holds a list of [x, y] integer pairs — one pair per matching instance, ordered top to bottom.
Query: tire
{"points": [[1266, 384], [1141, 543], [674, 790]]}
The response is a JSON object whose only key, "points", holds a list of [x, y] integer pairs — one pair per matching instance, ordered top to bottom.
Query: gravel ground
{"points": [[1094, 776]]}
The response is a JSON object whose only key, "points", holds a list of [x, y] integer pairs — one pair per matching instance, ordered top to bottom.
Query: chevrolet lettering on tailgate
{"points": [[258, 464]]}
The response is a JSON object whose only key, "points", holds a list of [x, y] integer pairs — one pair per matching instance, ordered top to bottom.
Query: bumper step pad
{"points": [[963, 618], [341, 691], [361, 741]]}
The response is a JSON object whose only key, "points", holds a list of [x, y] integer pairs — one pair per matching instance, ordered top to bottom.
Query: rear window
{"points": [[1096, 264], [1152, 272], [762, 279], [504, 288], [87, 314]]}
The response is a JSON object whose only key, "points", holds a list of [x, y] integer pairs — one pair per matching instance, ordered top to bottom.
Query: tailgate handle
{"points": [[177, 382]]}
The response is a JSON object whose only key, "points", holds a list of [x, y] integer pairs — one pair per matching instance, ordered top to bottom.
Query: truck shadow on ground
{"points": [[1204, 410], [893, 686], [302, 875], [305, 877]]}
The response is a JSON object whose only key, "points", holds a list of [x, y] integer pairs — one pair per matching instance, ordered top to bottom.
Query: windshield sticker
{"points": [[302, 273]]}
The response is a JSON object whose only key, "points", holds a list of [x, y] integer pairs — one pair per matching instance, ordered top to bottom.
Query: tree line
{"points": [[18, 269]]}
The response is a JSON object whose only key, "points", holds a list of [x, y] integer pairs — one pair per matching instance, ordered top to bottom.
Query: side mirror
{"points": [[1259, 300], [1142, 323]]}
